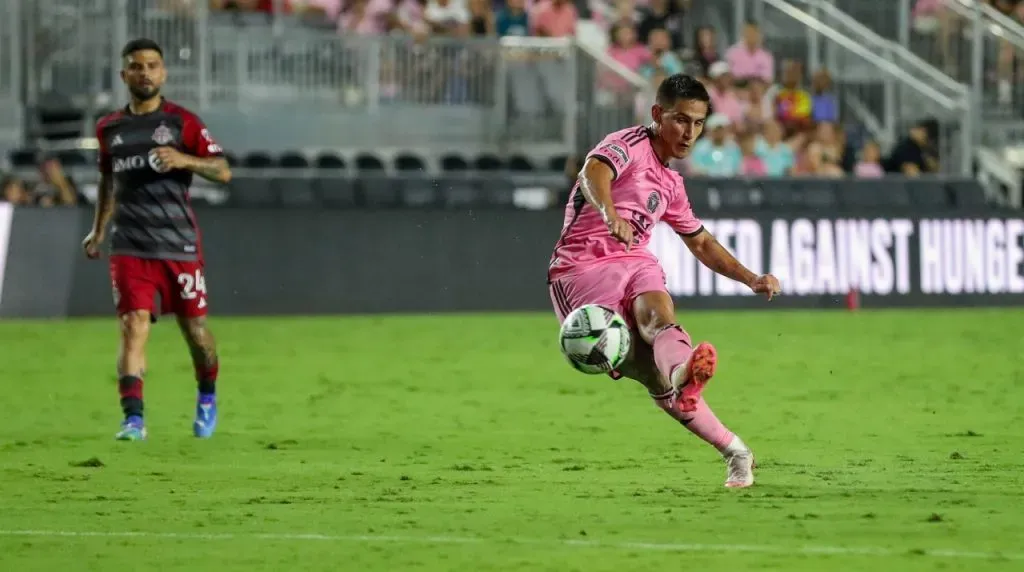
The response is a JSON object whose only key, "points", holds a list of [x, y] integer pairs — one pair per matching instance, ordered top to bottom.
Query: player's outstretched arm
{"points": [[712, 254]]}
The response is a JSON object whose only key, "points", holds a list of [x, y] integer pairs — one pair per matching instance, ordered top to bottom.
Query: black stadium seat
{"points": [[23, 158], [73, 158], [232, 159], [258, 160], [293, 161], [329, 161], [367, 162], [407, 162], [454, 163], [488, 163], [557, 163], [520, 164]]}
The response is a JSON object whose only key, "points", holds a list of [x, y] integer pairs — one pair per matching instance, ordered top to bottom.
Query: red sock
{"points": [[206, 376], [130, 388]]}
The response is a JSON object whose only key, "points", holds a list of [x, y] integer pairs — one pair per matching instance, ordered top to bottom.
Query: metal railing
{"points": [[969, 40], [877, 81]]}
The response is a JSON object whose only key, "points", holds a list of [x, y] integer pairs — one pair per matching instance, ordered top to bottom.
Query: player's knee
{"points": [[651, 322], [135, 325], [196, 332]]}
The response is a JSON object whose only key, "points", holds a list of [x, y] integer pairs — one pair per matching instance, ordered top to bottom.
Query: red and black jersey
{"points": [[153, 216]]}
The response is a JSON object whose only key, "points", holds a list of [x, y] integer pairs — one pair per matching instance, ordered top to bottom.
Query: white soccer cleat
{"points": [[739, 461]]}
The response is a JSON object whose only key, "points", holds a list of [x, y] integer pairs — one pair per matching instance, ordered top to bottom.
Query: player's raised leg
{"points": [[682, 374]]}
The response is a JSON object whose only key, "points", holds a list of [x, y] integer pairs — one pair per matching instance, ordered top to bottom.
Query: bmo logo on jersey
{"points": [[136, 162]]}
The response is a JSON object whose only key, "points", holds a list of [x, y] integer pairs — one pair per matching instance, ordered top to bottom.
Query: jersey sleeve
{"points": [[197, 139], [614, 153], [103, 157], [679, 215]]}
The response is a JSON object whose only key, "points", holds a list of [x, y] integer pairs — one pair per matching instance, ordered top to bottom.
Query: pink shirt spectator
{"points": [[927, 7], [553, 21], [373, 22], [632, 58], [746, 64], [728, 104], [753, 166], [868, 171], [644, 191]]}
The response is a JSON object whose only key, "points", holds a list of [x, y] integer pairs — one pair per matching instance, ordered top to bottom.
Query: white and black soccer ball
{"points": [[595, 339]]}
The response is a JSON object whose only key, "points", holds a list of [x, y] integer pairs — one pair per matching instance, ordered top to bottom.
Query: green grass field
{"points": [[888, 441]]}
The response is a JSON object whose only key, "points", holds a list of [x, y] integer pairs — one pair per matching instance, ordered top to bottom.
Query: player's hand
{"points": [[168, 158], [620, 229], [92, 243], [766, 284]]}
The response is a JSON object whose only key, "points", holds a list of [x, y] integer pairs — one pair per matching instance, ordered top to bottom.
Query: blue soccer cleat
{"points": [[206, 417], [132, 429]]}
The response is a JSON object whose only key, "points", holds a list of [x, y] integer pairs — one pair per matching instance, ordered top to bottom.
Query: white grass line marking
{"points": [[440, 540]]}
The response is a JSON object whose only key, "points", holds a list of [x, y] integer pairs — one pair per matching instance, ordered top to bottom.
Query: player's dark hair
{"points": [[139, 44], [682, 87]]}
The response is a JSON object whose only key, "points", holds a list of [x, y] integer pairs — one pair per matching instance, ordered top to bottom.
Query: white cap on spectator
{"points": [[718, 69], [717, 120]]}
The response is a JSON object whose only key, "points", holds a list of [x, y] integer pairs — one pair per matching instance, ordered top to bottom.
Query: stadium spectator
{"points": [[264, 6], [626, 14], [662, 15], [365, 17], [446, 17], [481, 18], [512, 19], [554, 19], [705, 48], [624, 49], [662, 57], [749, 59], [724, 98], [791, 102], [824, 102], [755, 112], [831, 141], [777, 154], [914, 154], [716, 155], [814, 162], [870, 164], [751, 165], [14, 191]]}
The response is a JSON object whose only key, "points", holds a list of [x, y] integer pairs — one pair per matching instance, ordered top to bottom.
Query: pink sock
{"points": [[671, 349], [702, 422]]}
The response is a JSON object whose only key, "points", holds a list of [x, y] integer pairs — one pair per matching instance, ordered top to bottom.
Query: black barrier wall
{"points": [[264, 262]]}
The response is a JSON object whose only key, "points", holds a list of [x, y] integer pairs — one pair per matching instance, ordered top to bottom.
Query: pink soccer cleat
{"points": [[691, 378]]}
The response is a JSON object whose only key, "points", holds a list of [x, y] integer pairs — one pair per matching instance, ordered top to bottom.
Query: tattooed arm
{"points": [[214, 169]]}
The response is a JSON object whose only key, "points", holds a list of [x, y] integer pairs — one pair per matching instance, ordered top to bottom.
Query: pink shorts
{"points": [[614, 283]]}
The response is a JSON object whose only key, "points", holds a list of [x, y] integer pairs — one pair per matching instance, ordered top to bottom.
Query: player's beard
{"points": [[144, 93]]}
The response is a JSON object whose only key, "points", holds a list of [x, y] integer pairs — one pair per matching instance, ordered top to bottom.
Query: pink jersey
{"points": [[644, 191]]}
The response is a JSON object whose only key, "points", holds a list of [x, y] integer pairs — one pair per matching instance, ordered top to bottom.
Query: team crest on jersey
{"points": [[163, 135], [653, 201]]}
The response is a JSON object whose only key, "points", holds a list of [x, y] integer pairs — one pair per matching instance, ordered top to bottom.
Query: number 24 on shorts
{"points": [[193, 286]]}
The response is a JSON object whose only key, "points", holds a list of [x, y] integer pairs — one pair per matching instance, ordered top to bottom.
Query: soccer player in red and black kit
{"points": [[149, 151]]}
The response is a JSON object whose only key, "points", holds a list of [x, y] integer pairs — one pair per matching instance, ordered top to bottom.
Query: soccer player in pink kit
{"points": [[623, 190]]}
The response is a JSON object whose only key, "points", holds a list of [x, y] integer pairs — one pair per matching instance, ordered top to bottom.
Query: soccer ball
{"points": [[595, 339]]}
